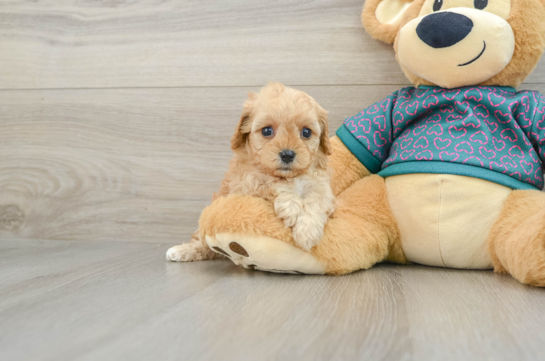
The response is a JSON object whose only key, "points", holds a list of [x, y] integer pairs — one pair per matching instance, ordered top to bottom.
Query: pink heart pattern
{"points": [[490, 127]]}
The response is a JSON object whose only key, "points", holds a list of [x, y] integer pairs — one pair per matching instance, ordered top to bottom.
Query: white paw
{"points": [[288, 208], [289, 221], [309, 230], [188, 252]]}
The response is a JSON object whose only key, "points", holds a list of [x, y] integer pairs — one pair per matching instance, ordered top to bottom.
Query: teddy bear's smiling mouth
{"points": [[477, 58]]}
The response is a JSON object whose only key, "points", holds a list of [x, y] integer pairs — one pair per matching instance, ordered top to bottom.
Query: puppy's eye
{"points": [[438, 4], [481, 4], [267, 131], [306, 133]]}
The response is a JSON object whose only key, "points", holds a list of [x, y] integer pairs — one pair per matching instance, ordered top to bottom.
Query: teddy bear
{"points": [[445, 173]]}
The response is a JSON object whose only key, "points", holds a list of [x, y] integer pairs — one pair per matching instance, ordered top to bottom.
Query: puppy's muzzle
{"points": [[287, 156]]}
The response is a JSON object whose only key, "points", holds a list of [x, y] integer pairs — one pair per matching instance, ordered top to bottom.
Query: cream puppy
{"points": [[280, 146]]}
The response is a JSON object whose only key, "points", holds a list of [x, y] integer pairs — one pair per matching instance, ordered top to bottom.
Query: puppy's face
{"points": [[284, 131]]}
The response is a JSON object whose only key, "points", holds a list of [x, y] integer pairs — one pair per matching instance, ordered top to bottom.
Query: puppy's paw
{"points": [[288, 208], [289, 221], [309, 230], [189, 252]]}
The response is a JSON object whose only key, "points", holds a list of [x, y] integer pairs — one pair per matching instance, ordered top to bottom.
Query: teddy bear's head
{"points": [[456, 43]]}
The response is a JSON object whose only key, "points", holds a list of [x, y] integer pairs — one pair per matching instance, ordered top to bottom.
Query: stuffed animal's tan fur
{"points": [[517, 241]]}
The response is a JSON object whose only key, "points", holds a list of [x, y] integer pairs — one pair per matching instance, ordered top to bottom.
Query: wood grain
{"points": [[173, 43], [124, 164], [128, 165], [113, 301]]}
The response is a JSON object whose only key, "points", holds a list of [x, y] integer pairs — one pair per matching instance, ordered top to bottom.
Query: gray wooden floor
{"points": [[115, 119], [119, 301]]}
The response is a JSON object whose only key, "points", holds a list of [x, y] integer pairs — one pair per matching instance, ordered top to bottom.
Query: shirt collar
{"points": [[505, 88]]}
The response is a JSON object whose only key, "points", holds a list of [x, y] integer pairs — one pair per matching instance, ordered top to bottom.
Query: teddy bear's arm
{"points": [[346, 168]]}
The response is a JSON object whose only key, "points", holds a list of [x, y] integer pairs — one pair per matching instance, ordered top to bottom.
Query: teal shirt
{"points": [[492, 133]]}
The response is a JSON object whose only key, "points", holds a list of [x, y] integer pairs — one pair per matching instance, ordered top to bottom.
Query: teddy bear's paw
{"points": [[309, 230], [189, 252], [264, 254]]}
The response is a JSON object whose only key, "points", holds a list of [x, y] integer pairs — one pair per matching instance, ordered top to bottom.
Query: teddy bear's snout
{"points": [[445, 29]]}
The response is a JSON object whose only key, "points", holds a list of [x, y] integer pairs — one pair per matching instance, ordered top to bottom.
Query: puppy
{"points": [[280, 145]]}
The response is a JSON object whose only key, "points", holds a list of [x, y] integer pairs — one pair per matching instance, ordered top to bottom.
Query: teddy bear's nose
{"points": [[441, 30]]}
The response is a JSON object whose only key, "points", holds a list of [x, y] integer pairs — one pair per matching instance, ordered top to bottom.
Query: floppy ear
{"points": [[383, 18], [244, 125], [324, 136]]}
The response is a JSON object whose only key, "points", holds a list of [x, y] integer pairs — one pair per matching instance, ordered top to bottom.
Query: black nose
{"points": [[445, 29], [287, 156]]}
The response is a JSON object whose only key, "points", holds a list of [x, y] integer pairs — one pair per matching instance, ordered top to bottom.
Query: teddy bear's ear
{"points": [[382, 18]]}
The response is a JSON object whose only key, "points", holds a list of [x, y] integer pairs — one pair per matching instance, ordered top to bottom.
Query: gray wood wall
{"points": [[116, 115]]}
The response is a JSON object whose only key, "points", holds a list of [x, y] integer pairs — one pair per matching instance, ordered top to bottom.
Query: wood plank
{"points": [[151, 43], [124, 165], [129, 165], [113, 301]]}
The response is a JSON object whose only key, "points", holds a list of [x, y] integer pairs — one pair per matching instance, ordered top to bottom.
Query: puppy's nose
{"points": [[441, 30], [287, 156]]}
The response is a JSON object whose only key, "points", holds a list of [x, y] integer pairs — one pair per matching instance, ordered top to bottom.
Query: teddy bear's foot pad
{"points": [[264, 254]]}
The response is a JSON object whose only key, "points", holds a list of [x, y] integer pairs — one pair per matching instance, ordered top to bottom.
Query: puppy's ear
{"points": [[383, 18], [244, 124], [324, 136]]}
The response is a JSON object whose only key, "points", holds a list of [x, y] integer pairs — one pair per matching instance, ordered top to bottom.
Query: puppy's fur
{"points": [[301, 189]]}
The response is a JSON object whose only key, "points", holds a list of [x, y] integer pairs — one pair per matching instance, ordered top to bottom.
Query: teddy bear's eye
{"points": [[438, 4], [481, 4]]}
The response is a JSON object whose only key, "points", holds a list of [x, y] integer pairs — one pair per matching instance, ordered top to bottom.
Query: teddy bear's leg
{"points": [[247, 231], [360, 233], [517, 240]]}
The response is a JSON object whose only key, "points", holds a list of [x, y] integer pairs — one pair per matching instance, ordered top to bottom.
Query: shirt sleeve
{"points": [[369, 134], [537, 134]]}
